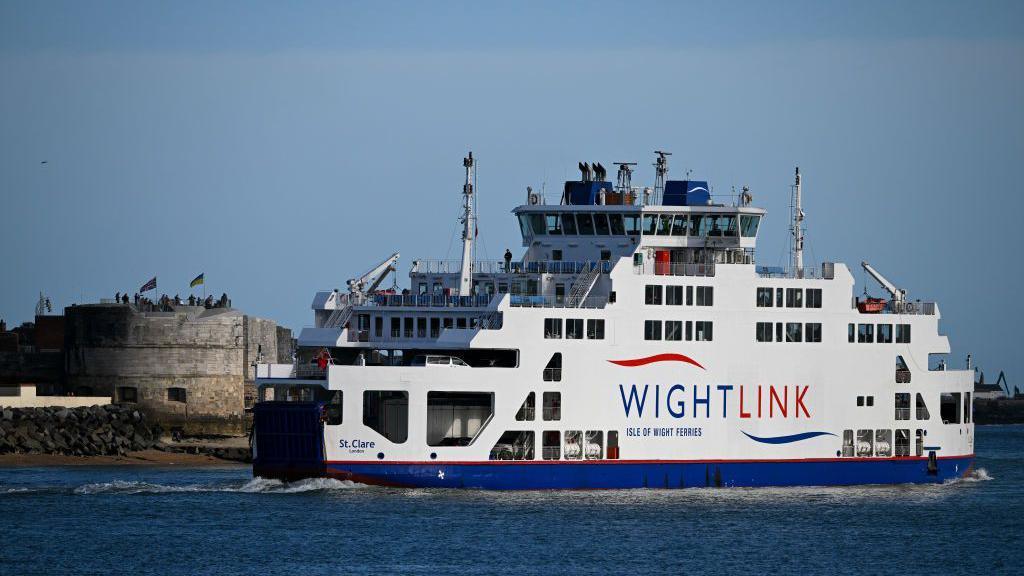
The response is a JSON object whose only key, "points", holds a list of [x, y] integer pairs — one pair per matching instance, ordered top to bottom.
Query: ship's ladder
{"points": [[583, 285], [339, 317]]}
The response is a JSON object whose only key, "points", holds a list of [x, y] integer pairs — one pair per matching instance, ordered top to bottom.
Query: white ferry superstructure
{"points": [[634, 344]]}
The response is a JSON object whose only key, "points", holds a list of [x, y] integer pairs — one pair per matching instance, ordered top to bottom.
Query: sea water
{"points": [[221, 521]]}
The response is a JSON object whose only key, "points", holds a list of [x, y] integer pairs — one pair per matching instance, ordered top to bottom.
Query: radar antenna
{"points": [[468, 229]]}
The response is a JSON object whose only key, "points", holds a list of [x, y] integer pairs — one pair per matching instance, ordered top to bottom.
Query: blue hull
{"points": [[626, 474]]}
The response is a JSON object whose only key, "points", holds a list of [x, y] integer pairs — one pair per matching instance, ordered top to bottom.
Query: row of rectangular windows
{"points": [[599, 224], [674, 295], [794, 298], [416, 327], [574, 328], [676, 330], [789, 332], [865, 333]]}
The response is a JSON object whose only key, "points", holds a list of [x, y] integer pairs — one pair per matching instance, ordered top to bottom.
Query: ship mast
{"points": [[468, 230], [797, 230]]}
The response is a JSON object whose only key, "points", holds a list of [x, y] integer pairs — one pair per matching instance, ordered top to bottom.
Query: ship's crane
{"points": [[368, 282], [898, 295]]}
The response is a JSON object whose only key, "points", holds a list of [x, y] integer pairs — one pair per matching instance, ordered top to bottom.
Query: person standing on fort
{"points": [[508, 260], [117, 297]]}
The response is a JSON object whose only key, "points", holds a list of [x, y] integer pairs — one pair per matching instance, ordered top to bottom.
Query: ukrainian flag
{"points": [[198, 280]]}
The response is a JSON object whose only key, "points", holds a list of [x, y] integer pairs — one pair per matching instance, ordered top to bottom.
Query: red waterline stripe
{"points": [[634, 362], [577, 462]]}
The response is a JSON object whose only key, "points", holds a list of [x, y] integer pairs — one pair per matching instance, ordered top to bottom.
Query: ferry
{"points": [[635, 343]]}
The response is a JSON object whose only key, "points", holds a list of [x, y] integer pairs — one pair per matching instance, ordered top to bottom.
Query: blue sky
{"points": [[282, 149]]}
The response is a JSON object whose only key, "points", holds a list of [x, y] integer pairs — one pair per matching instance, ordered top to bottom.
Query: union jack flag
{"points": [[151, 285]]}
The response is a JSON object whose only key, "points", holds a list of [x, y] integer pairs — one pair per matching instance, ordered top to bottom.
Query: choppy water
{"points": [[221, 522]]}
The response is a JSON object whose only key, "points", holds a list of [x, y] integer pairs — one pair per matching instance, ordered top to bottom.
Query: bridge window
{"points": [[615, 222], [632, 222], [537, 223], [554, 224], [568, 224], [585, 224], [601, 224], [650, 224], [664, 224], [524, 225], [696, 225], [724, 225], [748, 225], [680, 226], [652, 294], [705, 295], [764, 297], [553, 328], [574, 328], [595, 329], [652, 330], [673, 330], [704, 331], [764, 331], [794, 332], [812, 332], [865, 333], [884, 333], [903, 333], [553, 370], [552, 406], [526, 411], [387, 413], [456, 418], [595, 444], [514, 445], [551, 445]]}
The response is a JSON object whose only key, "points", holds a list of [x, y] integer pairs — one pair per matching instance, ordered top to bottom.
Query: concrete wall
{"points": [[208, 353], [43, 368], [24, 396]]}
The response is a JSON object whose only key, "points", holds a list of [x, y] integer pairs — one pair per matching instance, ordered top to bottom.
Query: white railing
{"points": [[675, 269], [519, 301]]}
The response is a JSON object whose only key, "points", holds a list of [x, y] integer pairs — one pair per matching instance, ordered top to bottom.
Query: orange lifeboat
{"points": [[871, 305]]}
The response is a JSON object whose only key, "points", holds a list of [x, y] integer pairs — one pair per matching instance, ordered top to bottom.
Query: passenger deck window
{"points": [[652, 294], [674, 295], [705, 295], [764, 297], [814, 297], [794, 298], [553, 328], [574, 328], [595, 329], [652, 330], [673, 330], [704, 331], [764, 331], [812, 331], [794, 332], [851, 333], [865, 333], [884, 333], [903, 333], [553, 369], [552, 406], [922, 408], [333, 409], [526, 410], [387, 413], [514, 445], [551, 445], [573, 445], [595, 445]]}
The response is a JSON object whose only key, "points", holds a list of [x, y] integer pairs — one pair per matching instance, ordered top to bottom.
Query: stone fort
{"points": [[189, 368]]}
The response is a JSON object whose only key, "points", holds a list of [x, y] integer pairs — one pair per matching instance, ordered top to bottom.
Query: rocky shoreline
{"points": [[116, 430]]}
